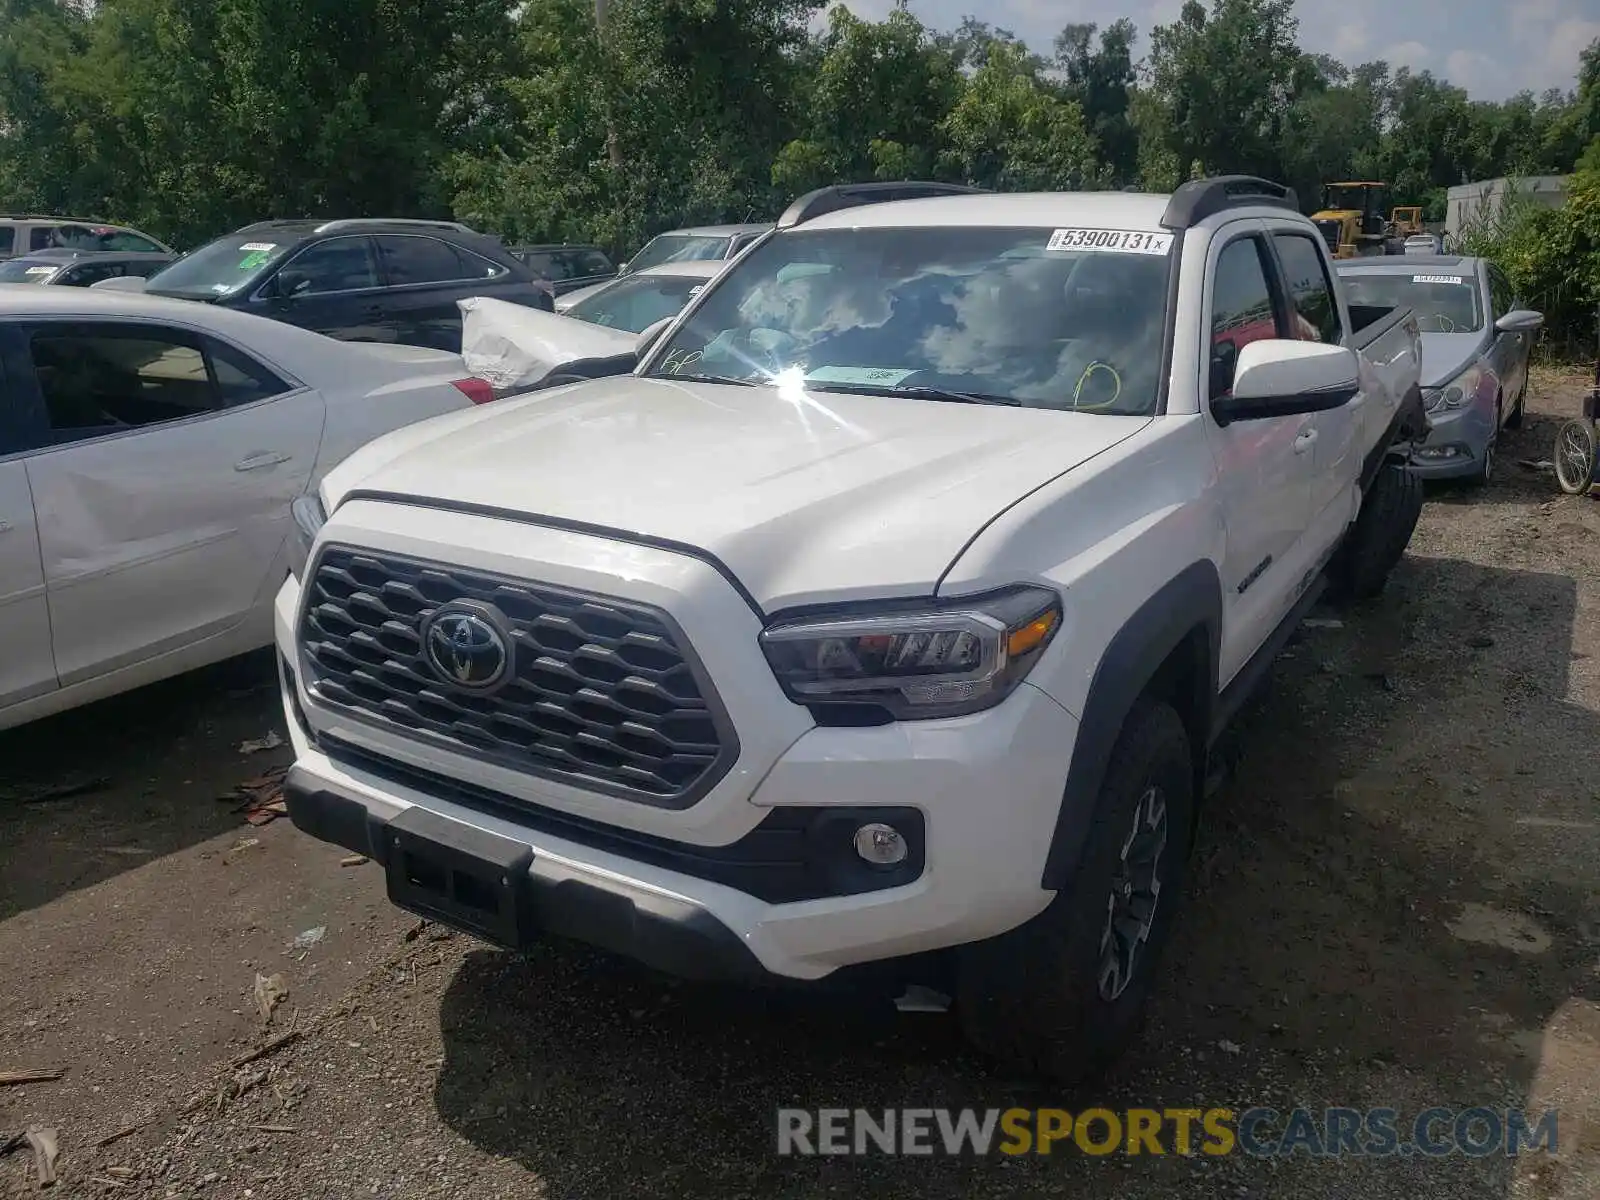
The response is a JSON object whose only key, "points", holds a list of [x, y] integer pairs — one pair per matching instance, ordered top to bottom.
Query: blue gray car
{"points": [[1476, 341]]}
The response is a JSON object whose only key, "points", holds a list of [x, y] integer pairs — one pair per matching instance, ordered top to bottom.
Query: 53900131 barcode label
{"points": [[1112, 241]]}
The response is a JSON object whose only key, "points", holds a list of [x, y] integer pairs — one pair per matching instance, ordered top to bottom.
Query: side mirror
{"points": [[622, 267], [1520, 320], [650, 333], [1278, 377]]}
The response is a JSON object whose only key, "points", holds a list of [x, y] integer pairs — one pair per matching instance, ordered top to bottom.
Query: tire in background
{"points": [[1575, 454]]}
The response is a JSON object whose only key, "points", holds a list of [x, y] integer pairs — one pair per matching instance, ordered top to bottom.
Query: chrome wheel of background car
{"points": [[1575, 457], [1135, 891]]}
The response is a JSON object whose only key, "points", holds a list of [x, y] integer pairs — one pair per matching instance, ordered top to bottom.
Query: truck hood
{"points": [[804, 496]]}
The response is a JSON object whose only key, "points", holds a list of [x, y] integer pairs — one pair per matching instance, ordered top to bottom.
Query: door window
{"points": [[41, 237], [8, 238], [408, 259], [342, 264], [1310, 290], [1241, 309], [98, 379], [240, 379]]}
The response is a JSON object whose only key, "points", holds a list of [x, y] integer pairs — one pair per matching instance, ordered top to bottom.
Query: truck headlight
{"points": [[1458, 393], [306, 520], [939, 658]]}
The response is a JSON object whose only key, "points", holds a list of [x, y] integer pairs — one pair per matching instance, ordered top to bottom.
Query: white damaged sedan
{"points": [[150, 450]]}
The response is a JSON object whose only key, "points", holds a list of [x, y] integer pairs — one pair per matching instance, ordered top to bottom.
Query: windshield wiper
{"points": [[692, 378], [919, 392]]}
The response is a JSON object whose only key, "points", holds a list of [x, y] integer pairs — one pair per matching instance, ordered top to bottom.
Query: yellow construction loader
{"points": [[1353, 222]]}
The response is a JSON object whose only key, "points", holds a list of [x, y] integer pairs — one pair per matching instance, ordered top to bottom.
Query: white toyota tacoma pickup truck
{"points": [[882, 622]]}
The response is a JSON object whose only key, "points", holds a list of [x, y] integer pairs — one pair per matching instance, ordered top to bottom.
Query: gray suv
{"points": [[24, 234]]}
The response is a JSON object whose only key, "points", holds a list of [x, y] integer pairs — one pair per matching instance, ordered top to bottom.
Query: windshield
{"points": [[679, 247], [220, 268], [21, 270], [636, 303], [1442, 303], [1065, 318]]}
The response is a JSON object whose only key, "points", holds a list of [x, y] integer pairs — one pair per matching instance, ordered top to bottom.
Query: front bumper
{"points": [[1455, 444], [684, 892]]}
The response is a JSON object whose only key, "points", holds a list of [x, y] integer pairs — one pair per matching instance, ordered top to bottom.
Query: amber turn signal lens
{"points": [[1031, 636]]}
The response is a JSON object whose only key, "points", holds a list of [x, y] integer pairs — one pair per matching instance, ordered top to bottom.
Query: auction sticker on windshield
{"points": [[1112, 241], [1457, 279], [886, 376]]}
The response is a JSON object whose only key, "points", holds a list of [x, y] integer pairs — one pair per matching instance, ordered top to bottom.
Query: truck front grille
{"points": [[598, 692]]}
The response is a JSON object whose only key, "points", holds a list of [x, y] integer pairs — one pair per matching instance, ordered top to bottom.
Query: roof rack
{"points": [[854, 195], [1202, 198], [363, 222]]}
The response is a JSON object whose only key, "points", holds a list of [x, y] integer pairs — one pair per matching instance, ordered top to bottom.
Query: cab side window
{"points": [[1241, 308], [1313, 309]]}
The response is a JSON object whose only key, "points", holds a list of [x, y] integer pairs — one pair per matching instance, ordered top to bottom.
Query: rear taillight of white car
{"points": [[479, 391]]}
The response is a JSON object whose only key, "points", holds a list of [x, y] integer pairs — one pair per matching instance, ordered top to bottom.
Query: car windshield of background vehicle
{"points": [[678, 247], [221, 268], [21, 270], [1442, 302], [635, 303], [1047, 318]]}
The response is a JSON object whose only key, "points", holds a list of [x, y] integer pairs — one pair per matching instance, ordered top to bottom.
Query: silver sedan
{"points": [[1476, 341]]}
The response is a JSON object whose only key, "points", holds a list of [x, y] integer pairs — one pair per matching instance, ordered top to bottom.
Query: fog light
{"points": [[880, 844]]}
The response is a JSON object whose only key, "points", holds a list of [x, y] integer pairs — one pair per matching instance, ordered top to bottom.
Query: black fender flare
{"points": [[1190, 601]]}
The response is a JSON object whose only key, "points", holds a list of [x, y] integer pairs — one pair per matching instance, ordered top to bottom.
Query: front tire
{"points": [[1484, 475], [1377, 541], [1061, 996]]}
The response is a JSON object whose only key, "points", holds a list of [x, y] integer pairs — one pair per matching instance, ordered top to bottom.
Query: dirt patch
{"points": [[1394, 904]]}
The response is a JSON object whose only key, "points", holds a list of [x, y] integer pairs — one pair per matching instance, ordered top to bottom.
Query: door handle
{"points": [[1303, 442], [267, 458], [6, 526]]}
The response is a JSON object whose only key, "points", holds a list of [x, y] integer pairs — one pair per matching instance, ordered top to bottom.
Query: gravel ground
{"points": [[1396, 902]]}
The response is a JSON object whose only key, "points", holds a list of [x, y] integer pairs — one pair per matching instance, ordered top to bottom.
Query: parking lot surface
{"points": [[1395, 902]]}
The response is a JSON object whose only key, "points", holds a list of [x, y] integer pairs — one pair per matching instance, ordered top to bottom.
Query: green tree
{"points": [[1100, 77], [1227, 78], [887, 83], [1010, 132]]}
